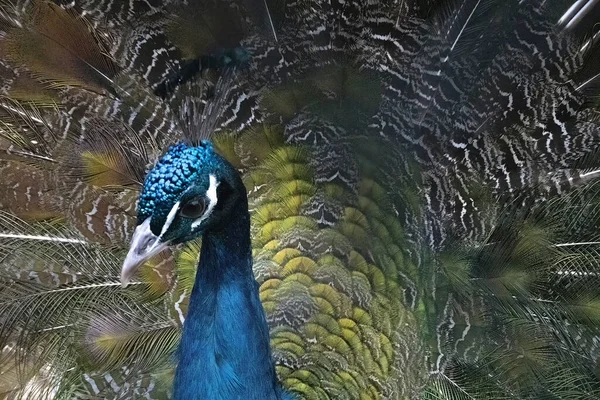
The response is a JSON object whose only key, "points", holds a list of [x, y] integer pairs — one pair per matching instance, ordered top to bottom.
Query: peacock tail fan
{"points": [[421, 178]]}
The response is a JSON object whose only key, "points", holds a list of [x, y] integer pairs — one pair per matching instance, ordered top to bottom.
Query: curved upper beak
{"points": [[144, 245]]}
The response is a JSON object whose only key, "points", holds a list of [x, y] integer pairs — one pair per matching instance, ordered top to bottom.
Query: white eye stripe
{"points": [[211, 193], [170, 218]]}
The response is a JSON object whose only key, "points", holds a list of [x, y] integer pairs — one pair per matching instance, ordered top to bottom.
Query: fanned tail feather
{"points": [[421, 178]]}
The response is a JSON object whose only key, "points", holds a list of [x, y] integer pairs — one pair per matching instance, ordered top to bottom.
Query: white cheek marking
{"points": [[211, 193], [169, 219]]}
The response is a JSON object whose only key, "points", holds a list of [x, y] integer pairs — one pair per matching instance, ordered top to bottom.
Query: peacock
{"points": [[308, 199]]}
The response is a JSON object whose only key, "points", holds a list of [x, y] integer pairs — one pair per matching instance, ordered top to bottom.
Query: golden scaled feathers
{"points": [[59, 48]]}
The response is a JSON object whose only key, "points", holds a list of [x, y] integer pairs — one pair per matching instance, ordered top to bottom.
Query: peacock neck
{"points": [[225, 351]]}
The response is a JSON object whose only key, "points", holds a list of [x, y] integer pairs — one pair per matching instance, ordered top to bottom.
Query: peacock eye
{"points": [[193, 209]]}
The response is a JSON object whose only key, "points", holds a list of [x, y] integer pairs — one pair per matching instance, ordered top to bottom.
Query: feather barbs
{"points": [[59, 48]]}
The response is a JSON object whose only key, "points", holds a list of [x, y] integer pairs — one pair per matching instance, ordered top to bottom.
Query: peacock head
{"points": [[191, 190]]}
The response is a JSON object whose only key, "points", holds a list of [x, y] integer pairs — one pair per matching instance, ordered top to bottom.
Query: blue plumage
{"points": [[170, 177], [225, 351]]}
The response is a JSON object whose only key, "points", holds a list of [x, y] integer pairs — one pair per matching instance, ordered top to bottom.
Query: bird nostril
{"points": [[142, 248]]}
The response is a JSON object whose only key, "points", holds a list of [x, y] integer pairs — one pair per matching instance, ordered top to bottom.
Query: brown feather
{"points": [[199, 30], [59, 48], [25, 88], [22, 123], [111, 157], [28, 192]]}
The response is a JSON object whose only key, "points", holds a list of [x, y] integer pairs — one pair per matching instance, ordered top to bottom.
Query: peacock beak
{"points": [[144, 245]]}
